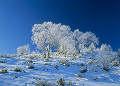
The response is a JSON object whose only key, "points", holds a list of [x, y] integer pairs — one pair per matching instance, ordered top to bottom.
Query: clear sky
{"points": [[17, 17]]}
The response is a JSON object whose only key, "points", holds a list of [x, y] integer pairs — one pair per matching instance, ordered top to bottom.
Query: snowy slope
{"points": [[45, 70]]}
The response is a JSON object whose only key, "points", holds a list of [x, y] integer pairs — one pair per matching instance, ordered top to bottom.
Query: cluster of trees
{"points": [[49, 36]]}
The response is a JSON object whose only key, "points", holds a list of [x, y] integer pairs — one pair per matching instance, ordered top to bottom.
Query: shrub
{"points": [[23, 50], [29, 61], [2, 62], [64, 62], [47, 63], [115, 63], [82, 64], [55, 66], [30, 67], [106, 68], [17, 70], [83, 70], [4, 71], [79, 75], [14, 77], [95, 78], [61, 82], [44, 83], [70, 83]]}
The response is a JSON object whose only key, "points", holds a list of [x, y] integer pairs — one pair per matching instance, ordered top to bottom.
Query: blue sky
{"points": [[17, 17]]}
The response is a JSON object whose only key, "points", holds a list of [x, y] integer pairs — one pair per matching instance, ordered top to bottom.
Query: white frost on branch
{"points": [[48, 35], [88, 38], [67, 45], [23, 50], [106, 55]]}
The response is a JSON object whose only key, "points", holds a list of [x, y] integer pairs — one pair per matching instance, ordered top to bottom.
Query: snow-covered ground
{"points": [[51, 70]]}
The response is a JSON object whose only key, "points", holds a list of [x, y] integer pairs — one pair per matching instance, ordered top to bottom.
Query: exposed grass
{"points": [[2, 61], [47, 63], [82, 64], [56, 66], [30, 67], [106, 68], [17, 70], [83, 70], [4, 71], [79, 75], [14, 77], [95, 78], [61, 82], [44, 83]]}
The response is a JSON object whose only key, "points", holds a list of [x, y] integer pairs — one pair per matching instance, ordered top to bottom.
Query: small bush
{"points": [[29, 61], [2, 62], [64, 62], [47, 63], [115, 63], [82, 64], [55, 66], [30, 67], [106, 68], [17, 70], [83, 70], [4, 71], [79, 75], [14, 77], [95, 78], [61, 82], [44, 83], [70, 83]]}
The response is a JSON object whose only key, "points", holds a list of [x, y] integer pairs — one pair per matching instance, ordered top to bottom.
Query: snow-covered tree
{"points": [[58, 31], [48, 35], [42, 36], [39, 37], [76, 38], [88, 38], [67, 45], [81, 48], [92, 49], [23, 50], [106, 55], [115, 62]]}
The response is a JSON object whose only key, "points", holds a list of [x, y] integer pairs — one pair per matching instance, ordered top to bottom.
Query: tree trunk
{"points": [[48, 50], [44, 54], [92, 56]]}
